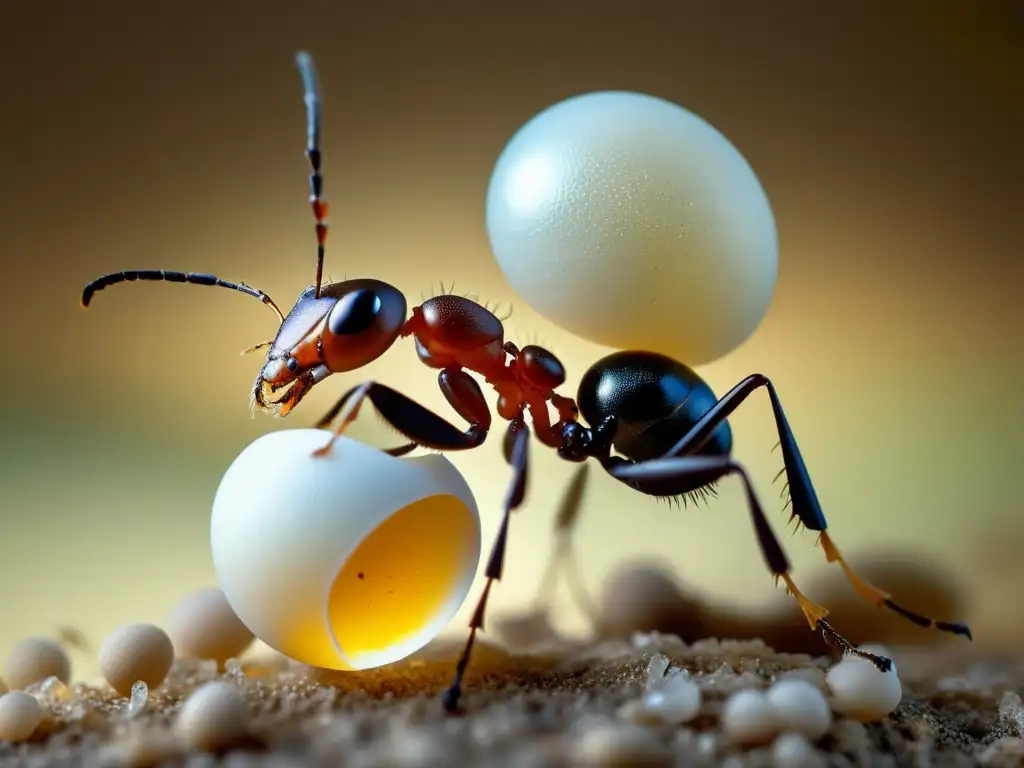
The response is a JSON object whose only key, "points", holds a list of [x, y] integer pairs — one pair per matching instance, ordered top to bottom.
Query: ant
{"points": [[655, 425]]}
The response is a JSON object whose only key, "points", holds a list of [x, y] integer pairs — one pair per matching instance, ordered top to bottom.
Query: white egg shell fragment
{"points": [[634, 223], [346, 561]]}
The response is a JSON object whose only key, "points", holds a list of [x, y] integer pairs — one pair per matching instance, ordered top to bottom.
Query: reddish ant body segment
{"points": [[669, 432]]}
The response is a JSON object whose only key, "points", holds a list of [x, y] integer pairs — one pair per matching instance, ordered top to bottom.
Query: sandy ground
{"points": [[558, 702], [560, 706]]}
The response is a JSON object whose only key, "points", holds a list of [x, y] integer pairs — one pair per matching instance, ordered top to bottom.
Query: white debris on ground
{"points": [[651, 700]]}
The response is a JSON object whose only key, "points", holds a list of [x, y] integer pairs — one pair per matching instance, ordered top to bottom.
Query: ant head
{"points": [[350, 325], [332, 328]]}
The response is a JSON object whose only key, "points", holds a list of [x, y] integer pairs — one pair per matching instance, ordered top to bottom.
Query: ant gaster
{"points": [[668, 430]]}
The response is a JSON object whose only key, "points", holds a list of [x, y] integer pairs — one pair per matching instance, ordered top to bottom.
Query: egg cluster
{"points": [[370, 571], [134, 659], [793, 713], [790, 716]]}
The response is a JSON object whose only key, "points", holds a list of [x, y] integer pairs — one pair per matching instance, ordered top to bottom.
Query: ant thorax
{"points": [[455, 331]]}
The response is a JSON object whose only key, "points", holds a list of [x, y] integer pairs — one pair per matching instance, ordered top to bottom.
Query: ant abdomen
{"points": [[655, 401]]}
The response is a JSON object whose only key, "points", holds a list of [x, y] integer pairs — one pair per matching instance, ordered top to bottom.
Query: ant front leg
{"points": [[328, 418], [416, 422], [517, 455], [700, 471], [803, 497]]}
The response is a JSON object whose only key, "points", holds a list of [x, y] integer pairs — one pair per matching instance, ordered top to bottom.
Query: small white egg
{"points": [[635, 224], [346, 561], [204, 626], [134, 653], [35, 659], [860, 691], [676, 699], [800, 708], [20, 715], [214, 715], [748, 718], [621, 746], [143, 748], [793, 750]]}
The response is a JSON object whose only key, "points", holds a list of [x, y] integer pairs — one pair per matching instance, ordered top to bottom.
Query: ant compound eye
{"points": [[354, 312], [292, 364]]}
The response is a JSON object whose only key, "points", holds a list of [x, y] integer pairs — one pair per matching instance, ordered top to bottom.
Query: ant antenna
{"points": [[311, 86], [158, 275]]}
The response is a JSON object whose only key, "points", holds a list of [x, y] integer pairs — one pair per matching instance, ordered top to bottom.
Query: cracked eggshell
{"points": [[346, 561]]}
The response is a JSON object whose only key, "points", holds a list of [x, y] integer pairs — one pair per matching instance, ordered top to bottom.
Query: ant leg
{"points": [[565, 406], [326, 420], [422, 426], [517, 456], [703, 470], [803, 498], [561, 560]]}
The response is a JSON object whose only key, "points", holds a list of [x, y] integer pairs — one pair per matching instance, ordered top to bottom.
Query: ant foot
{"points": [[834, 639], [450, 699]]}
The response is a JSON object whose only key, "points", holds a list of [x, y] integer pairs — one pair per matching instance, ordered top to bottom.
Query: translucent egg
{"points": [[634, 223], [346, 561]]}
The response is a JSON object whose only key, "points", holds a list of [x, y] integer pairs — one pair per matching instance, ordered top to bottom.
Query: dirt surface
{"points": [[558, 702], [561, 706]]}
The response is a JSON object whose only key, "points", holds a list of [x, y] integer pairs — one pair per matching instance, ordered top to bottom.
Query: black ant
{"points": [[668, 427]]}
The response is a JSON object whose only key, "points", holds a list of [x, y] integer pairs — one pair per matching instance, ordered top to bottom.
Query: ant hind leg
{"points": [[702, 470], [806, 507], [876, 596]]}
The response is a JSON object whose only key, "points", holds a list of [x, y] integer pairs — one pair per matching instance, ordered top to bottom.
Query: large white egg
{"points": [[634, 224], [347, 561]]}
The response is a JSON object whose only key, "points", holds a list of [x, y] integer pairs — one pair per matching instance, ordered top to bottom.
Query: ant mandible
{"points": [[668, 429]]}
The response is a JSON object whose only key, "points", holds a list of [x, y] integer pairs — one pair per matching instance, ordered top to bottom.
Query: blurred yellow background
{"points": [[134, 136]]}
